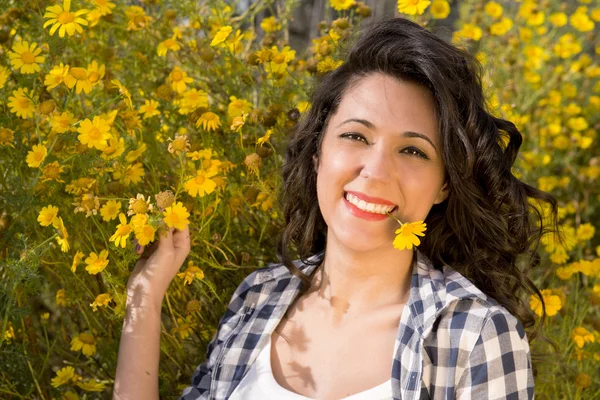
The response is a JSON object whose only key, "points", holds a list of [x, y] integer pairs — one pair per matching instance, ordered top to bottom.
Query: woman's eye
{"points": [[354, 136], [415, 152]]}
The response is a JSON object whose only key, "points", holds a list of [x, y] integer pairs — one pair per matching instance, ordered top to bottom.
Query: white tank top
{"points": [[259, 383]]}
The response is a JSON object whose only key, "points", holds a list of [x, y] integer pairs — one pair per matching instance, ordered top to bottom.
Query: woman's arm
{"points": [[139, 350]]}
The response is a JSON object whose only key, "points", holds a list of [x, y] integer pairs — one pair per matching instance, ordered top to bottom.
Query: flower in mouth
{"points": [[408, 234]]}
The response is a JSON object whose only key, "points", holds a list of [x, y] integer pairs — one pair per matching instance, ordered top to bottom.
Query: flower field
{"points": [[119, 119]]}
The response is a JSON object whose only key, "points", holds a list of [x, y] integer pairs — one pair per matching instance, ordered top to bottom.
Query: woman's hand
{"points": [[156, 268]]}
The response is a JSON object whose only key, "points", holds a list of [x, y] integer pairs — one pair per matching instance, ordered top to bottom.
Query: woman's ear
{"points": [[442, 194]]}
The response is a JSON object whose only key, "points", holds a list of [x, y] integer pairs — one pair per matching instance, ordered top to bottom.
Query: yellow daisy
{"points": [[339, 5], [103, 6], [413, 7], [440, 9], [137, 18], [65, 19], [221, 35], [169, 44], [26, 57], [328, 64], [95, 72], [4, 74], [56, 76], [79, 78], [179, 80], [124, 92], [191, 100], [21, 103], [237, 107], [149, 109], [209, 121], [61, 123], [94, 133], [7, 137], [36, 156], [52, 172], [133, 173], [201, 184], [110, 210], [47, 215], [176, 216], [122, 233], [145, 234], [407, 235], [76, 260], [96, 262], [191, 272], [101, 300], [552, 302], [84, 342], [63, 375], [92, 385]]}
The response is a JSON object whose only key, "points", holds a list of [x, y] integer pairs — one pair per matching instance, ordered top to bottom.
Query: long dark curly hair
{"points": [[488, 228]]}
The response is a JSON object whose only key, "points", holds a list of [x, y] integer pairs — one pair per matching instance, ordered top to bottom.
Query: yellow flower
{"points": [[339, 5], [103, 6], [413, 7], [440, 9], [493, 9], [63, 18], [137, 18], [558, 19], [581, 21], [269, 24], [500, 28], [470, 31], [221, 35], [169, 44], [567, 46], [26, 57], [328, 64], [95, 72], [4, 74], [78, 78], [179, 79], [124, 92], [191, 100], [21, 103], [237, 107], [149, 109], [209, 121], [61, 123], [577, 124], [94, 133], [7, 136], [260, 141], [178, 145], [36, 156], [52, 171], [133, 173], [201, 184], [89, 204], [139, 205], [110, 210], [47, 215], [176, 216], [122, 232], [585, 232], [144, 234], [407, 234], [76, 260], [96, 262], [190, 273], [61, 298], [101, 300], [552, 302], [185, 327], [581, 336], [84, 342], [63, 375], [582, 381], [92, 386]]}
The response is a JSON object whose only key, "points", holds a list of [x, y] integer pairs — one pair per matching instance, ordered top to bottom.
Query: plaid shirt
{"points": [[453, 341]]}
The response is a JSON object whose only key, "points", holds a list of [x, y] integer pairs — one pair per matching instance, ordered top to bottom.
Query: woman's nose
{"points": [[377, 164]]}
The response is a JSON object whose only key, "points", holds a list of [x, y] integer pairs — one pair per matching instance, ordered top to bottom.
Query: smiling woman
{"points": [[399, 132]]}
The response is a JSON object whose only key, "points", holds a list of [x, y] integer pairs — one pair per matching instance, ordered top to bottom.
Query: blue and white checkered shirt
{"points": [[453, 341]]}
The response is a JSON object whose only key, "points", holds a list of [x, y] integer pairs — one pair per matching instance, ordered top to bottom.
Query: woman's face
{"points": [[382, 142]]}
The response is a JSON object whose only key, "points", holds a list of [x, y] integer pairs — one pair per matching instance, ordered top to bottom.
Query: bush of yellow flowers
{"points": [[119, 119]]}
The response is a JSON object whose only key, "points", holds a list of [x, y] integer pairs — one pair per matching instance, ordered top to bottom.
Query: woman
{"points": [[398, 132]]}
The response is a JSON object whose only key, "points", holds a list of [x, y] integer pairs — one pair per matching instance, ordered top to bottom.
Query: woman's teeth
{"points": [[368, 207]]}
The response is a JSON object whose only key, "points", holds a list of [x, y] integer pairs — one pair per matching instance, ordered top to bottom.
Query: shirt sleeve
{"points": [[499, 367], [201, 379]]}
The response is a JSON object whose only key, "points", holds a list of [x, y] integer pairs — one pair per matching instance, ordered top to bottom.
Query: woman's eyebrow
{"points": [[409, 134]]}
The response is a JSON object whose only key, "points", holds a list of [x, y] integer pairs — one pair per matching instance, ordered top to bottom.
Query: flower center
{"points": [[65, 17], [170, 43], [27, 57], [176, 76], [94, 77], [24, 102], [94, 133], [199, 179], [140, 206], [86, 338]]}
